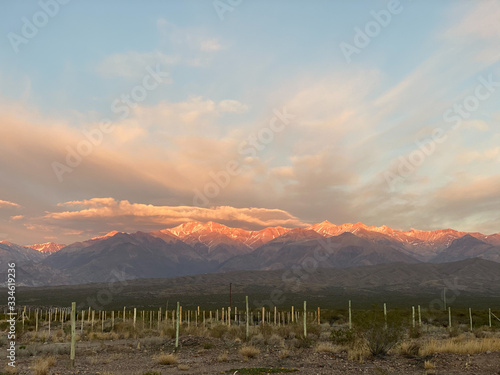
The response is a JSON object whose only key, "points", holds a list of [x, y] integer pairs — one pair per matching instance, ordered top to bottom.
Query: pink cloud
{"points": [[8, 204], [106, 208]]}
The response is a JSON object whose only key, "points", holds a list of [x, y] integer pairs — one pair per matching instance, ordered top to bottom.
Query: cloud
{"points": [[481, 21], [475, 25], [193, 44], [210, 45], [133, 64], [232, 106], [492, 154], [4, 204], [109, 209], [17, 217]]}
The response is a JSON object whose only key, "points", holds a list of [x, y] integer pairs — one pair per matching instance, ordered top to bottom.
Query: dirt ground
{"points": [[205, 355]]}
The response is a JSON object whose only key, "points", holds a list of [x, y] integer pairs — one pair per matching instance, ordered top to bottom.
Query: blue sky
{"points": [[355, 121]]}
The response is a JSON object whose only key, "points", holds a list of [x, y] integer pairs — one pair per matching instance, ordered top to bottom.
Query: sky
{"points": [[129, 115]]}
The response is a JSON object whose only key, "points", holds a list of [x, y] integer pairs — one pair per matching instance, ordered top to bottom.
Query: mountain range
{"points": [[197, 248]]}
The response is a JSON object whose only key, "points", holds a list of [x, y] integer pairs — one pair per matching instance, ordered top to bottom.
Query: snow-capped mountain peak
{"points": [[47, 247]]}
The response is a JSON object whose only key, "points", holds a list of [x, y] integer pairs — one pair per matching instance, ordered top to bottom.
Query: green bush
{"points": [[342, 336], [379, 336]]}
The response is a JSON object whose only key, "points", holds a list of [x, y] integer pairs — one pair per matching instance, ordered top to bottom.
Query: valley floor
{"points": [[209, 355]]}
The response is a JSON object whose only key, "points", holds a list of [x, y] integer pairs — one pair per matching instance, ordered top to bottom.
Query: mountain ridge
{"points": [[194, 248]]}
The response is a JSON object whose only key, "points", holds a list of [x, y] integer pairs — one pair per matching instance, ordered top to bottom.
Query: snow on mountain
{"points": [[201, 232], [109, 234], [424, 244], [47, 247]]}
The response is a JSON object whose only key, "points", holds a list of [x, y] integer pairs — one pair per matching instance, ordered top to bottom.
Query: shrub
{"points": [[218, 331], [415, 332], [343, 336], [379, 337], [257, 339], [275, 340], [460, 345], [326, 347], [409, 348], [249, 351], [357, 352], [283, 354], [222, 357], [166, 359], [42, 365], [428, 365]]}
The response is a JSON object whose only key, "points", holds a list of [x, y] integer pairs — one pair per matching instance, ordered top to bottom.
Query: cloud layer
{"points": [[217, 129]]}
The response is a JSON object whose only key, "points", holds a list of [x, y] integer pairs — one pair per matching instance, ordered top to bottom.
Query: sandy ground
{"points": [[200, 355]]}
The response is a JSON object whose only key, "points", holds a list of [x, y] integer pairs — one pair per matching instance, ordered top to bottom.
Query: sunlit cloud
{"points": [[351, 123], [8, 204], [109, 208]]}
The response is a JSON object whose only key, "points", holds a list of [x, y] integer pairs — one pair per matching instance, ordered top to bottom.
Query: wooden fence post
{"points": [[350, 315], [385, 315], [470, 318], [247, 320], [305, 320], [177, 327], [73, 334]]}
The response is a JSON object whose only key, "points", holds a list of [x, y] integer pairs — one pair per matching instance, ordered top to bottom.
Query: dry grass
{"points": [[105, 336], [275, 340], [460, 345], [326, 347], [407, 348], [249, 351], [358, 352], [283, 354], [222, 357], [166, 359], [93, 360], [42, 365], [428, 365], [183, 367], [10, 370]]}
